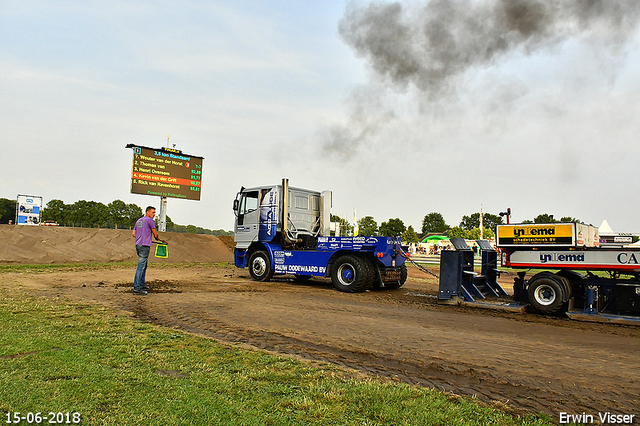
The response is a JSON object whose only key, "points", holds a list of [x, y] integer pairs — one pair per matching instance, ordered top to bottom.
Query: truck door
{"points": [[246, 228]]}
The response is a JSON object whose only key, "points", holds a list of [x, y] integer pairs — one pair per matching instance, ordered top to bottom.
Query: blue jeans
{"points": [[143, 257]]}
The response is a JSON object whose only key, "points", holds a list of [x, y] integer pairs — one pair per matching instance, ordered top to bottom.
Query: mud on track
{"points": [[525, 362]]}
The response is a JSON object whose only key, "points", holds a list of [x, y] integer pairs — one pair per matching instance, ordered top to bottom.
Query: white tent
{"points": [[605, 229]]}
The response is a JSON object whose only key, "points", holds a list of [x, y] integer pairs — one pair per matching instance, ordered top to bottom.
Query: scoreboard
{"points": [[165, 172]]}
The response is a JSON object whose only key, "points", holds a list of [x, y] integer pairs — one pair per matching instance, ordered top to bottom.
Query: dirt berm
{"points": [[49, 244]]}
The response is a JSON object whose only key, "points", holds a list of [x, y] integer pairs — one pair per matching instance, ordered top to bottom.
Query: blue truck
{"points": [[281, 230]]}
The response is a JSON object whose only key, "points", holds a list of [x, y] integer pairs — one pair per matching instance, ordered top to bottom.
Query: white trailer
{"points": [[579, 277]]}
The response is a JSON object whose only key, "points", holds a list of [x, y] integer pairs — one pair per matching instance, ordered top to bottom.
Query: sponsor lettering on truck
{"points": [[558, 234]]}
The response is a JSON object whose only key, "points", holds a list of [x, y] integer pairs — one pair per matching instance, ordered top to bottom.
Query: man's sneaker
{"points": [[145, 288], [140, 292]]}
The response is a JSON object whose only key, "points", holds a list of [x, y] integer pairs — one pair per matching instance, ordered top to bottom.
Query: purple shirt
{"points": [[143, 228]]}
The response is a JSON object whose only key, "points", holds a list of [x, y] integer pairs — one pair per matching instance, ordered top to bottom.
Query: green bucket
{"points": [[162, 250]]}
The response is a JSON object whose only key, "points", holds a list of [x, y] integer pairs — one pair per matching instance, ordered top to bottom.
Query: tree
{"points": [[7, 210], [54, 211], [78, 213], [117, 213], [132, 213], [97, 214], [544, 218], [569, 219], [488, 220], [491, 221], [434, 222], [469, 222], [169, 223], [367, 227], [346, 228], [392, 228], [458, 232], [473, 234], [488, 234], [410, 236]]}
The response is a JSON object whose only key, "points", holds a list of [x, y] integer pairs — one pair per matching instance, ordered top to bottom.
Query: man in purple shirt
{"points": [[144, 228]]}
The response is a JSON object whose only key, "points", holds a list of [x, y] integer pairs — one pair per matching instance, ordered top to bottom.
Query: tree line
{"points": [[92, 214], [118, 214], [434, 223], [367, 226], [469, 227]]}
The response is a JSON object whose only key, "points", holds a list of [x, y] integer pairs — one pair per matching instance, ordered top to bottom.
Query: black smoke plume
{"points": [[428, 47]]}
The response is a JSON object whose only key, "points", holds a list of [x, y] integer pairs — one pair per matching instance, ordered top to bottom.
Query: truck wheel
{"points": [[260, 266], [369, 273], [348, 274], [397, 284], [546, 292]]}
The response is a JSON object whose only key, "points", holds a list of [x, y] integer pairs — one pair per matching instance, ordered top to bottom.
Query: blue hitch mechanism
{"points": [[590, 306]]}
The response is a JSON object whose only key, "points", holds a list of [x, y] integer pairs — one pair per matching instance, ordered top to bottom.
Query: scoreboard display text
{"points": [[166, 173]]}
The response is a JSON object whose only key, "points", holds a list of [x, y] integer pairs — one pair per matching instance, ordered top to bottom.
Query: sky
{"points": [[399, 108]]}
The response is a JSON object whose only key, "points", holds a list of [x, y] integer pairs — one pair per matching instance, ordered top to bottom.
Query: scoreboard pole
{"points": [[162, 220]]}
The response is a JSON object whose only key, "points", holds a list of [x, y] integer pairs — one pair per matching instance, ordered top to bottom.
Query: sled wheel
{"points": [[546, 293]]}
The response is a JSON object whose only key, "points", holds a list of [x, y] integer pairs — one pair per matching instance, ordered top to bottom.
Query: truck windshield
{"points": [[249, 202]]}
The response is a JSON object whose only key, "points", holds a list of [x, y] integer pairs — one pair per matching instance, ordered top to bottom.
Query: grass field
{"points": [[61, 357]]}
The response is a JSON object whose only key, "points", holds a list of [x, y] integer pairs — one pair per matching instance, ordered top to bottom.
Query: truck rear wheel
{"points": [[260, 266], [350, 275], [370, 275], [546, 292]]}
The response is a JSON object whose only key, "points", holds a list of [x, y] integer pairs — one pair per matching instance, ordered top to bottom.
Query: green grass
{"points": [[57, 356]]}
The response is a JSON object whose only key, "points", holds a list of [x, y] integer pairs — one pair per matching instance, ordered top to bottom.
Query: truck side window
{"points": [[249, 202]]}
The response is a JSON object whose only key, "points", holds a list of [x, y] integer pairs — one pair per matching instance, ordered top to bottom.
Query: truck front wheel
{"points": [[260, 266], [348, 274]]}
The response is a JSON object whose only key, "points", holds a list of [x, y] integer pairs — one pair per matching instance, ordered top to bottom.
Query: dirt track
{"points": [[524, 361]]}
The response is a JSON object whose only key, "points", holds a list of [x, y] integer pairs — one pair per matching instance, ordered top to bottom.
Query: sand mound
{"points": [[44, 244]]}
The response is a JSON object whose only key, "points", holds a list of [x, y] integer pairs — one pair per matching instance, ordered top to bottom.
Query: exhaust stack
{"points": [[326, 202], [285, 213]]}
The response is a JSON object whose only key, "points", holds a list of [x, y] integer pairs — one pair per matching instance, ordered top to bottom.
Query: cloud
{"points": [[443, 57]]}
